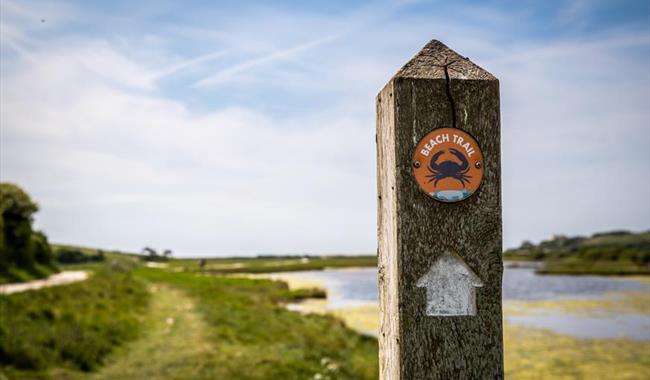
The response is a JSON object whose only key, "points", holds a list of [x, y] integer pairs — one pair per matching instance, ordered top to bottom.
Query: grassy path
{"points": [[185, 327], [254, 337], [173, 347]]}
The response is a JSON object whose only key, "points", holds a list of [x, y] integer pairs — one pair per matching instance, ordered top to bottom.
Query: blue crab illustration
{"points": [[449, 168]]}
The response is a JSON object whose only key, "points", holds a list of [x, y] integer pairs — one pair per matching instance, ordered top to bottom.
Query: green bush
{"points": [[17, 209], [21, 248], [42, 250], [75, 256], [70, 326]]}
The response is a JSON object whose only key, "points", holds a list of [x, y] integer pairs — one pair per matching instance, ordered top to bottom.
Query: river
{"points": [[541, 301]]}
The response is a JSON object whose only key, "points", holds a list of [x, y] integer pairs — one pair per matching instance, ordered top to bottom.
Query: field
{"points": [[272, 264], [129, 321], [195, 326], [70, 327]]}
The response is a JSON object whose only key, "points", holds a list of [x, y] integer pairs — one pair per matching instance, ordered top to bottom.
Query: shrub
{"points": [[20, 247], [42, 250], [75, 256], [75, 325]]}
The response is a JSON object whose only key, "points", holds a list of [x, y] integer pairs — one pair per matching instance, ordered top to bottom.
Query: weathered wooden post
{"points": [[439, 174]]}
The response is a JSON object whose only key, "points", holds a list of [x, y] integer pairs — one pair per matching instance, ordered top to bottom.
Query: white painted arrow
{"points": [[450, 285]]}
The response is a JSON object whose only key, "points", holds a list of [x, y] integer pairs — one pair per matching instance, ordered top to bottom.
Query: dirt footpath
{"points": [[62, 278], [174, 346]]}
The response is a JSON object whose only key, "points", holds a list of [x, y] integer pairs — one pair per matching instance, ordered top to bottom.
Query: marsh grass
{"points": [[272, 264], [579, 266], [612, 304], [164, 324], [73, 326], [184, 326], [255, 337], [174, 344], [534, 353], [540, 354]]}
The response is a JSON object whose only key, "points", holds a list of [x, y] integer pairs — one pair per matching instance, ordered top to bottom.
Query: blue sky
{"points": [[228, 128]]}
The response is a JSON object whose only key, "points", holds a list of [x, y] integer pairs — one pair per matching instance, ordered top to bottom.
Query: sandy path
{"points": [[57, 279]]}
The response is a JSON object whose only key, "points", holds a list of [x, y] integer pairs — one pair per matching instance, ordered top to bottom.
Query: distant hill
{"points": [[614, 252]]}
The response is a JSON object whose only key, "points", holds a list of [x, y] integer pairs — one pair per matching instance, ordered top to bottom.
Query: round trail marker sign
{"points": [[448, 165]]}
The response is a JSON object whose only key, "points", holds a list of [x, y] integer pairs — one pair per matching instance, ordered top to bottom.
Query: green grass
{"points": [[619, 239], [260, 264], [273, 264], [601, 267], [13, 274], [307, 293], [164, 324], [185, 326], [73, 327], [225, 328], [253, 336], [174, 344], [541, 354]]}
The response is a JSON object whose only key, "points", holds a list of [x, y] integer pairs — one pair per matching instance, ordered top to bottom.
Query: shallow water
{"points": [[523, 284], [358, 286], [349, 287], [631, 326]]}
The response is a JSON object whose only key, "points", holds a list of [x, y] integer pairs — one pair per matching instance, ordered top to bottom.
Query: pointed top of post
{"points": [[431, 61]]}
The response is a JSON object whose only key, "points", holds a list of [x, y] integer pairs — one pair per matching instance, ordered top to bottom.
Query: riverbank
{"points": [[615, 253], [271, 264], [573, 267], [576, 267], [201, 326], [244, 328], [581, 330], [536, 353]]}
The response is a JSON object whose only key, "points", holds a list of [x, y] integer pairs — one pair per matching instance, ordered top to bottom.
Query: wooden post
{"points": [[440, 263]]}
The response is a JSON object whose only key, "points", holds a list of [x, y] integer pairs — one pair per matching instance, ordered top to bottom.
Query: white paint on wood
{"points": [[450, 286]]}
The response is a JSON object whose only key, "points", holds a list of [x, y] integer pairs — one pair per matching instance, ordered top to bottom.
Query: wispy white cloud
{"points": [[18, 20], [11, 35], [7, 40], [277, 55], [182, 65], [104, 147]]}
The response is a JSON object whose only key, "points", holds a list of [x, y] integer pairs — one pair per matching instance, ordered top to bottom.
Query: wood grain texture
{"points": [[438, 88], [387, 253]]}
